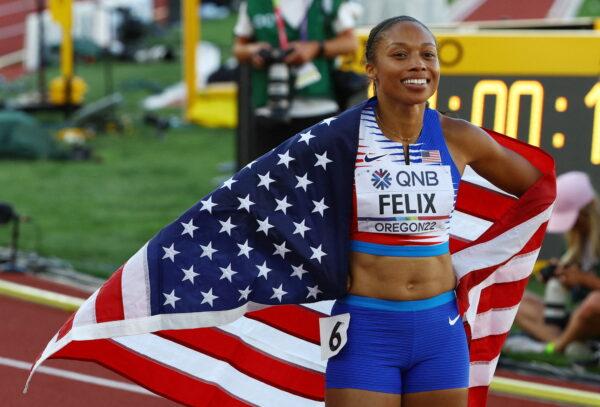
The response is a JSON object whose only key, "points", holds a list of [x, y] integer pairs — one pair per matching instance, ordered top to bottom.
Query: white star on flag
{"points": [[328, 120], [305, 137], [285, 159], [322, 160], [250, 164], [265, 180], [303, 181], [229, 183], [245, 203], [207, 205], [282, 205], [320, 206], [264, 225], [226, 226], [189, 227], [300, 228], [244, 249], [281, 249], [207, 251], [170, 252], [317, 253], [263, 270], [298, 271], [227, 272], [189, 274], [313, 291], [278, 292], [244, 293], [208, 297], [171, 299]]}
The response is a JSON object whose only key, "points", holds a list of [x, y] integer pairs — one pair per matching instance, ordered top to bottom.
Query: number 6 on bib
{"points": [[334, 334]]}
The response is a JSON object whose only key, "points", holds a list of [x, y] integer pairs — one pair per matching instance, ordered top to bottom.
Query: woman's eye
{"points": [[400, 55], [429, 55]]}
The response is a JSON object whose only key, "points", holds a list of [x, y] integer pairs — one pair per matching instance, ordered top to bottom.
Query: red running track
{"points": [[509, 10], [27, 327]]}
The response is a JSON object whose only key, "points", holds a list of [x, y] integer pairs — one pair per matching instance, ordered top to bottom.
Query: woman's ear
{"points": [[371, 71]]}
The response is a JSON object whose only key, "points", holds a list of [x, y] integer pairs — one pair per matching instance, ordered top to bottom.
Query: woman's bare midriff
{"points": [[400, 278]]}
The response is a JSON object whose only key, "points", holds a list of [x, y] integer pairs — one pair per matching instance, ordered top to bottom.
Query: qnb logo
{"points": [[381, 179]]}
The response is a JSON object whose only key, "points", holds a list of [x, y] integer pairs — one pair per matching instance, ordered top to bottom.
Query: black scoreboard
{"points": [[560, 114]]}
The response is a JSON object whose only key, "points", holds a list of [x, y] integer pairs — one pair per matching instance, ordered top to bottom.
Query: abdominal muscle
{"points": [[400, 278]]}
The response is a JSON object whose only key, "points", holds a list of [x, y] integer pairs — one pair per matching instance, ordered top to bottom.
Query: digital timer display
{"points": [[562, 115]]}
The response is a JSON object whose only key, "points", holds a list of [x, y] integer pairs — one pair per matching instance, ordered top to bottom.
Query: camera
{"points": [[279, 84], [548, 272]]}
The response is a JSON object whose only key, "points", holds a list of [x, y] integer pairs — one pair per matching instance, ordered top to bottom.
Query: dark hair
{"points": [[377, 32]]}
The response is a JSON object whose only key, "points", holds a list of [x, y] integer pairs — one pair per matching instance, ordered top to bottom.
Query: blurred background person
{"points": [[291, 46], [573, 279]]}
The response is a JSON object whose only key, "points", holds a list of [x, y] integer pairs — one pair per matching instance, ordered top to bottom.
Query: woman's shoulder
{"points": [[459, 130], [464, 139]]}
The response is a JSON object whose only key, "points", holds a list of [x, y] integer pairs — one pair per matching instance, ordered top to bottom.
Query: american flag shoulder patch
{"points": [[431, 156]]}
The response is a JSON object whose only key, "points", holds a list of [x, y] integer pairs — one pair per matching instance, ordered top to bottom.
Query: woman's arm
{"points": [[304, 51], [470, 145], [572, 276]]}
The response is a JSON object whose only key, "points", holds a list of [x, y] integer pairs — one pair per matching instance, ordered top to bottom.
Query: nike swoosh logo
{"points": [[369, 159], [453, 321]]}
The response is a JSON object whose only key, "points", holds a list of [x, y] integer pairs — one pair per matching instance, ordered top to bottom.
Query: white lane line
{"points": [[67, 374]]}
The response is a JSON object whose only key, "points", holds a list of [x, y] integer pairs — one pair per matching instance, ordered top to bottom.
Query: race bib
{"points": [[404, 199], [334, 334]]}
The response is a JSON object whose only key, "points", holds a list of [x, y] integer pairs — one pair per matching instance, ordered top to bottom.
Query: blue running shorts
{"points": [[401, 346]]}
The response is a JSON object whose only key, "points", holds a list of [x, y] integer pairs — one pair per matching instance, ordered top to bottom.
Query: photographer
{"points": [[291, 46], [576, 274]]}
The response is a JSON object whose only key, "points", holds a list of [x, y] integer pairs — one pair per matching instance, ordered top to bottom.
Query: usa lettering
{"points": [[420, 178], [399, 204]]}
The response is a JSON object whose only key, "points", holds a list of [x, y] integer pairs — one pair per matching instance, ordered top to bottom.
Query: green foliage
{"points": [[96, 214]]}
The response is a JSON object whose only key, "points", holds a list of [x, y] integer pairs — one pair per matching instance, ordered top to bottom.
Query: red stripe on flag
{"points": [[539, 158], [482, 202], [457, 243], [477, 276], [502, 295], [109, 302], [286, 317], [66, 327], [486, 348], [250, 361], [160, 379], [478, 396]]}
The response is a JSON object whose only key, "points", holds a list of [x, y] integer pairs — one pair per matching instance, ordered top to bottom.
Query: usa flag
{"points": [[431, 156], [190, 316]]}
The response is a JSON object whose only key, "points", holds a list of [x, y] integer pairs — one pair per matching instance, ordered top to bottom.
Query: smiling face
{"points": [[405, 67]]}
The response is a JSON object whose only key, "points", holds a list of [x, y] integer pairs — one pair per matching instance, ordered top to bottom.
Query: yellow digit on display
{"points": [[490, 88], [536, 91], [592, 99], [454, 103]]}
